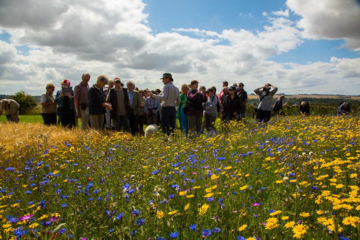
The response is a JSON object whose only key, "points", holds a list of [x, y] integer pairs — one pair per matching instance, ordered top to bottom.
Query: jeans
{"points": [[49, 118], [108, 119], [168, 119], [97, 121], [183, 121], [122, 122], [133, 123], [195, 123]]}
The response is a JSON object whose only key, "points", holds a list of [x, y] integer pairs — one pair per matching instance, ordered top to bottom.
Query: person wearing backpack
{"points": [[195, 99], [264, 106]]}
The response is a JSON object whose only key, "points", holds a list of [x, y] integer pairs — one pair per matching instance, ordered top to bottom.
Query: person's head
{"points": [[85, 78], [167, 78], [101, 81], [117, 82], [65, 83], [111, 84], [194, 84], [225, 84], [130, 85], [235, 85], [241, 86], [267, 87], [50, 88], [137, 89], [184, 89], [214, 89], [225, 90], [232, 90], [157, 91], [210, 92], [141, 93], [146, 93], [282, 97], [4, 103], [303, 104], [346, 104]]}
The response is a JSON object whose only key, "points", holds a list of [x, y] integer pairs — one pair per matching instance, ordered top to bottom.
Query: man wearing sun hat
{"points": [[170, 97]]}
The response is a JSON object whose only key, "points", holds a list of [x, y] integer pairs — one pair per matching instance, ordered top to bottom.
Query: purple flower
{"points": [[255, 204], [26, 217], [53, 219], [216, 230]]}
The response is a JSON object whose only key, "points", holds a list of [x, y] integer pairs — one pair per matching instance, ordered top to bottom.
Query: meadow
{"points": [[296, 178]]}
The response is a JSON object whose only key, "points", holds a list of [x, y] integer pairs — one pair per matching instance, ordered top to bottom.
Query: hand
{"points": [[61, 94], [68, 95], [107, 106], [78, 114]]}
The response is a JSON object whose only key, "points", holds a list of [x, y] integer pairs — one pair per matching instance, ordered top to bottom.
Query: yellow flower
{"points": [[228, 168], [56, 172], [354, 175], [213, 177], [339, 186], [196, 187], [244, 187], [183, 193], [209, 195], [190, 196], [15, 205], [3, 206], [187, 206], [203, 209], [173, 212], [320, 212], [275, 213], [160, 214], [304, 214], [43, 217], [285, 218], [271, 221], [347, 221], [290, 224], [6, 225], [34, 225], [243, 227], [299, 230], [250, 238]]}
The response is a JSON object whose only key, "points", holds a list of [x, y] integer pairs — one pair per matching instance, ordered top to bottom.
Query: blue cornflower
{"points": [[155, 172], [171, 196], [210, 199], [42, 203], [64, 205], [136, 212], [119, 216], [140, 221], [193, 227], [111, 230], [216, 230], [62, 231], [206, 232], [132, 233], [174, 235], [241, 238]]}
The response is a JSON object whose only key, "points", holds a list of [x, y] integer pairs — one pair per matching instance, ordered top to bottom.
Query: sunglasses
{"points": [[117, 82]]}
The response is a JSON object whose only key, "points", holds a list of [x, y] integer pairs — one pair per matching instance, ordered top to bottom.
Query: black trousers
{"points": [[262, 115], [49, 118], [67, 119], [133, 120], [141, 122]]}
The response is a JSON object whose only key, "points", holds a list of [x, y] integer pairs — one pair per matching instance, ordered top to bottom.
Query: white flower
{"points": [[285, 179]]}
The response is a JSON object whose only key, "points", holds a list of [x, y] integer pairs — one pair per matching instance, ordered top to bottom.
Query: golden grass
{"points": [[17, 136]]}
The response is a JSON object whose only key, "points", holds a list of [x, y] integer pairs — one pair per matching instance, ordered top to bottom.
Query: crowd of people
{"points": [[108, 104]]}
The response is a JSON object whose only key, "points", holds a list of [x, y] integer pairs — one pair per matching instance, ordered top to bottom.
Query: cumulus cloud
{"points": [[281, 13], [264, 14], [329, 19], [112, 37]]}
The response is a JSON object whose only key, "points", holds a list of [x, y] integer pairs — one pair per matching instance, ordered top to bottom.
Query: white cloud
{"points": [[282, 13], [264, 14], [329, 19], [112, 37]]}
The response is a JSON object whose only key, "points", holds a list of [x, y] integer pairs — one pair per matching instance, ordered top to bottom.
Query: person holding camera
{"points": [[195, 99], [65, 100], [81, 101], [264, 106], [11, 108], [152, 108], [305, 108], [343, 109]]}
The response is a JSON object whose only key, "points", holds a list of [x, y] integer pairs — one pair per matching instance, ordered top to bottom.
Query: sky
{"points": [[301, 46]]}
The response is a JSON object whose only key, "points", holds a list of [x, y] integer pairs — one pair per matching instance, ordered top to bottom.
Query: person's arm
{"points": [[258, 91], [272, 92], [163, 96], [192, 96], [246, 99], [44, 103], [157, 104], [211, 104], [223, 105], [339, 111]]}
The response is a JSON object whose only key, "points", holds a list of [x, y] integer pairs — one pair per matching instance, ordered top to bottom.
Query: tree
{"points": [[26, 101]]}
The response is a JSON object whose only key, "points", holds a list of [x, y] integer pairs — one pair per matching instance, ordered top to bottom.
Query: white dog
{"points": [[151, 130]]}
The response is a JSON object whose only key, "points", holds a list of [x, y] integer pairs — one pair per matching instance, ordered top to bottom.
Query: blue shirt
{"points": [[131, 97]]}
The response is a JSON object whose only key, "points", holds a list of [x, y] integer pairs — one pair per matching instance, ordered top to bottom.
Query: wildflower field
{"points": [[297, 178]]}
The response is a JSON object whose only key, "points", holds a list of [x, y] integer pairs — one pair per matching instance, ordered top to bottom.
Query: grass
{"points": [[25, 119]]}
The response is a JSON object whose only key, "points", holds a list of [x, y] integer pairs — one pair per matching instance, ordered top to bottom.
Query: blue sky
{"points": [[214, 15]]}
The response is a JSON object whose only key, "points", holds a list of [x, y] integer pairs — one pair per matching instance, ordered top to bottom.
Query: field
{"points": [[297, 178]]}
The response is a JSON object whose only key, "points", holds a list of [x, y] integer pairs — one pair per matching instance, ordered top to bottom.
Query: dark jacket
{"points": [[96, 100], [194, 101], [114, 102], [229, 106], [305, 109]]}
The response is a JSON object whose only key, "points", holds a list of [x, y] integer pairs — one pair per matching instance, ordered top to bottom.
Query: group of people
{"points": [[109, 104]]}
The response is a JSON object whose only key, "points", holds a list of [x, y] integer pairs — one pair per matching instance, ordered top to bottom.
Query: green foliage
{"points": [[26, 101]]}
